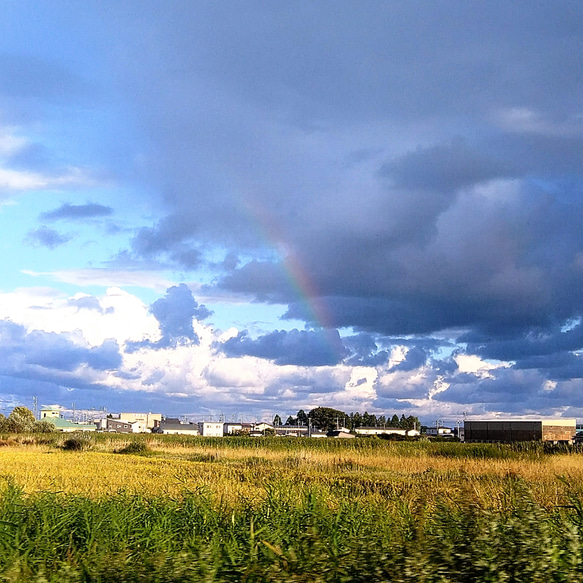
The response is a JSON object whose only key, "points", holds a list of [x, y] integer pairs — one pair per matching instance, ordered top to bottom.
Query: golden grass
{"points": [[245, 473]]}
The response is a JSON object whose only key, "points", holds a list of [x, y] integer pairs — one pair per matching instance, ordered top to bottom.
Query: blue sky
{"points": [[254, 207]]}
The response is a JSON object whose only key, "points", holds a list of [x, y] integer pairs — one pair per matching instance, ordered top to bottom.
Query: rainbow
{"points": [[295, 272]]}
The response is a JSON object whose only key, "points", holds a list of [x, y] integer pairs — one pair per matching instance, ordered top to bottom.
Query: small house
{"points": [[211, 428]]}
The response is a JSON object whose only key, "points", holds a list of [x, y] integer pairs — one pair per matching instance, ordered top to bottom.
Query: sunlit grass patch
{"points": [[195, 509]]}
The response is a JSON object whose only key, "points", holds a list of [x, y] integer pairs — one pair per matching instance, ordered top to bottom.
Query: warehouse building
{"points": [[512, 430]]}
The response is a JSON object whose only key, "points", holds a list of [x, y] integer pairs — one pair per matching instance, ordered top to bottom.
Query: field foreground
{"points": [[171, 509]]}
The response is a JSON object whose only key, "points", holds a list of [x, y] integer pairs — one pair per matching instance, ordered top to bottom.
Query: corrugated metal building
{"points": [[511, 430]]}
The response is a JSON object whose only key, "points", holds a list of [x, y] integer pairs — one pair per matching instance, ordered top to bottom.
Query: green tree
{"points": [[302, 417], [325, 418], [21, 420], [277, 420], [290, 420], [355, 420], [369, 420], [395, 421], [412, 423]]}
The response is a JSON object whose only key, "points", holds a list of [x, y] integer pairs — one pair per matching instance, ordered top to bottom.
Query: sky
{"points": [[247, 208]]}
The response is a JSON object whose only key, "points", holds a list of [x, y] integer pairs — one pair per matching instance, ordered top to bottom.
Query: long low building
{"points": [[67, 426], [174, 427], [363, 430], [512, 430]]}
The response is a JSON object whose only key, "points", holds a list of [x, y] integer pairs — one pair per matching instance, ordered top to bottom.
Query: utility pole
{"points": [[35, 406]]}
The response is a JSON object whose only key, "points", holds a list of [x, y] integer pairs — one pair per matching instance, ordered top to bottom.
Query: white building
{"points": [[50, 413], [146, 421], [140, 426], [262, 426], [232, 427], [177, 428], [211, 428], [292, 430], [380, 431], [440, 432], [316, 433]]}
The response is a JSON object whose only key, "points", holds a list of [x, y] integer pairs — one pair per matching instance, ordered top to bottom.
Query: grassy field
{"points": [[169, 508]]}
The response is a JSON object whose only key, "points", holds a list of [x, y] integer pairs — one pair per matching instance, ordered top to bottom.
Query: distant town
{"points": [[321, 422]]}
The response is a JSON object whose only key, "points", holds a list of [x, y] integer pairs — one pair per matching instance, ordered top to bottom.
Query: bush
{"points": [[43, 427], [76, 444], [135, 447]]}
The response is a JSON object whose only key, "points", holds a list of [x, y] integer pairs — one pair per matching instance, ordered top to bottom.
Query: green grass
{"points": [[318, 511], [55, 537]]}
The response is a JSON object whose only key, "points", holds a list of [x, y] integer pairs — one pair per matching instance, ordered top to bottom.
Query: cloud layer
{"points": [[402, 183]]}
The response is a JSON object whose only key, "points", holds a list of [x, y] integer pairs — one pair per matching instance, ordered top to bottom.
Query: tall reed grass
{"points": [[167, 508], [288, 536]]}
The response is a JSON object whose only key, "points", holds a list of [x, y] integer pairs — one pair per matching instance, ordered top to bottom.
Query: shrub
{"points": [[43, 427], [76, 444], [135, 447]]}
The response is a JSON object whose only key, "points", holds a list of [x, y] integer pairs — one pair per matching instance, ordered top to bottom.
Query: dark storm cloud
{"points": [[338, 58], [386, 63], [539, 153], [444, 168], [414, 169], [465, 210], [77, 212], [46, 237], [169, 241], [428, 256], [500, 258], [267, 281], [176, 310], [175, 313], [414, 315], [533, 343], [298, 347], [373, 350], [554, 350], [55, 351], [364, 351], [22, 352], [414, 358], [445, 366], [558, 366], [405, 388], [510, 391]]}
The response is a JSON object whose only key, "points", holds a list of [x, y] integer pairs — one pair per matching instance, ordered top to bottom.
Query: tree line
{"points": [[326, 419]]}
